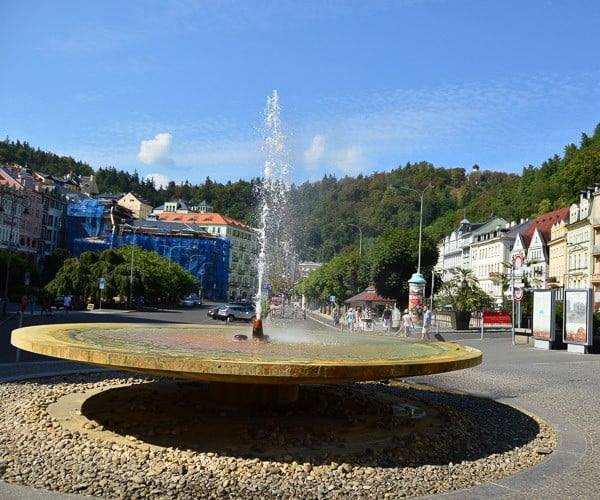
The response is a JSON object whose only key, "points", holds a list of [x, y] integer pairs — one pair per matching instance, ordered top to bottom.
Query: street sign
{"points": [[518, 261], [102, 283], [265, 287], [518, 293], [332, 298]]}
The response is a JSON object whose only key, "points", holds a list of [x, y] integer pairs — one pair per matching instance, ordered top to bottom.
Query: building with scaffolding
{"points": [[96, 225]]}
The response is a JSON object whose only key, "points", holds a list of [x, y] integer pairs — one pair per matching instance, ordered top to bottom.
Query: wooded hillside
{"points": [[323, 210]]}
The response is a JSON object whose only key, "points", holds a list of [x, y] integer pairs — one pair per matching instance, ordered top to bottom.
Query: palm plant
{"points": [[463, 292]]}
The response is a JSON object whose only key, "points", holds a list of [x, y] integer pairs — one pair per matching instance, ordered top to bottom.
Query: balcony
{"points": [[595, 278]]}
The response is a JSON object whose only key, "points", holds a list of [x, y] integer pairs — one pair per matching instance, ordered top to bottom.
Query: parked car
{"points": [[196, 299], [190, 300], [186, 301], [59, 302], [212, 312], [236, 312]]}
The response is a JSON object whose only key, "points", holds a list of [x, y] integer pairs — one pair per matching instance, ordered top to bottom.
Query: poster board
{"points": [[577, 314], [543, 315]]}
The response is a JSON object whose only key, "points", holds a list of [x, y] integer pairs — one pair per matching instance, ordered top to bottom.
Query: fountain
{"points": [[241, 370]]}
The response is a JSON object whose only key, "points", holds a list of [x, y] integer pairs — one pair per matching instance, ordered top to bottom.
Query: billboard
{"points": [[543, 315], [578, 317]]}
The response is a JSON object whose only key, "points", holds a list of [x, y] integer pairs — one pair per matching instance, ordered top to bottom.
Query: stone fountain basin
{"points": [[210, 352]]}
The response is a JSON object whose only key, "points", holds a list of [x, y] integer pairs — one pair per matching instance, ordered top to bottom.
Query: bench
{"points": [[495, 319]]}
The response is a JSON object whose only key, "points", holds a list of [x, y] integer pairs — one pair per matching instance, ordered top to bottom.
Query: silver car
{"points": [[236, 312]]}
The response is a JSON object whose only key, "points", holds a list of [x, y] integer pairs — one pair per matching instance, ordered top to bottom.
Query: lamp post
{"points": [[421, 194], [133, 230], [359, 238], [170, 249], [202, 274], [416, 283]]}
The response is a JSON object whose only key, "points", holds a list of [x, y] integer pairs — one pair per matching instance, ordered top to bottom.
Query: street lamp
{"points": [[421, 194], [133, 230], [359, 239], [170, 249], [202, 273], [416, 283]]}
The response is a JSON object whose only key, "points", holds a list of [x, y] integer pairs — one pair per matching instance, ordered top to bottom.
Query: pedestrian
{"points": [[24, 302], [67, 303], [46, 306], [336, 316], [357, 317], [350, 318], [387, 318], [406, 324], [425, 333]]}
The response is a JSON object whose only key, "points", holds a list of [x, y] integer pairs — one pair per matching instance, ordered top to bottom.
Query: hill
{"points": [[327, 214]]}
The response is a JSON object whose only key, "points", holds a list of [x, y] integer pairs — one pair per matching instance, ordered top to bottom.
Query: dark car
{"points": [[59, 302], [236, 312]]}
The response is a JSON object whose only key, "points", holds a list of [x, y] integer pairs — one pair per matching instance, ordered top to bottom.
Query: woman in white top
{"points": [[406, 324]]}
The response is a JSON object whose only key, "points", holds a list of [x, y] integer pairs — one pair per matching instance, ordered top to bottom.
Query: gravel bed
{"points": [[164, 439]]}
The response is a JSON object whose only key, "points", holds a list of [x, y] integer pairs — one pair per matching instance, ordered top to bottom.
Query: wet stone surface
{"points": [[161, 438]]}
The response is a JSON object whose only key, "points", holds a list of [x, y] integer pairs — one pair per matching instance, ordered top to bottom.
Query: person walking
{"points": [[67, 303], [358, 315], [350, 318], [387, 318], [406, 324], [425, 333]]}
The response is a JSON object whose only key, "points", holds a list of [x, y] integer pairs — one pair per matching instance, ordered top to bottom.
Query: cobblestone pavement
{"points": [[558, 386]]}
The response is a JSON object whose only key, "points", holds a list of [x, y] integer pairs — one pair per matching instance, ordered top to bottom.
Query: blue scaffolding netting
{"points": [[85, 228], [205, 258]]}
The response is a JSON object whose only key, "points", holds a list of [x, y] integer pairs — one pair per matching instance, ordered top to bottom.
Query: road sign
{"points": [[518, 261], [102, 283], [265, 287], [518, 293], [332, 298]]}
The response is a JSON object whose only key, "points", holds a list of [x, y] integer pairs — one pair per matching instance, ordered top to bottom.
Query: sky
{"points": [[177, 89]]}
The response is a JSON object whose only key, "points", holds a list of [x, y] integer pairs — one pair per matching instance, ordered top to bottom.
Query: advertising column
{"points": [[416, 298]]}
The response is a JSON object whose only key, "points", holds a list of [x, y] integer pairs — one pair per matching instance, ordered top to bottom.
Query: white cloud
{"points": [[156, 151], [316, 151], [352, 161], [159, 180]]}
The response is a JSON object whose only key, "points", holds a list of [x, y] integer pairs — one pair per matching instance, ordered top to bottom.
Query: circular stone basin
{"points": [[211, 353]]}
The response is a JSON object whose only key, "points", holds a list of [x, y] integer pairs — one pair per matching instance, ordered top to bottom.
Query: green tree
{"points": [[394, 259], [154, 277], [463, 292]]}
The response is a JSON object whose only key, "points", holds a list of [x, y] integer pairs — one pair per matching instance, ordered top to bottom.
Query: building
{"points": [[140, 209], [579, 243], [533, 245], [244, 247], [455, 250], [489, 253]]}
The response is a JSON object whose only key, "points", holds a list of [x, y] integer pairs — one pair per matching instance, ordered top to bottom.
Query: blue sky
{"points": [[177, 89]]}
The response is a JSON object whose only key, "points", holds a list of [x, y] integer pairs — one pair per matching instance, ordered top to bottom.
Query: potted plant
{"points": [[463, 293]]}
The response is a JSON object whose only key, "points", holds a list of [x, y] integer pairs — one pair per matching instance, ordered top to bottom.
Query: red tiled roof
{"points": [[211, 218], [544, 224], [369, 295]]}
